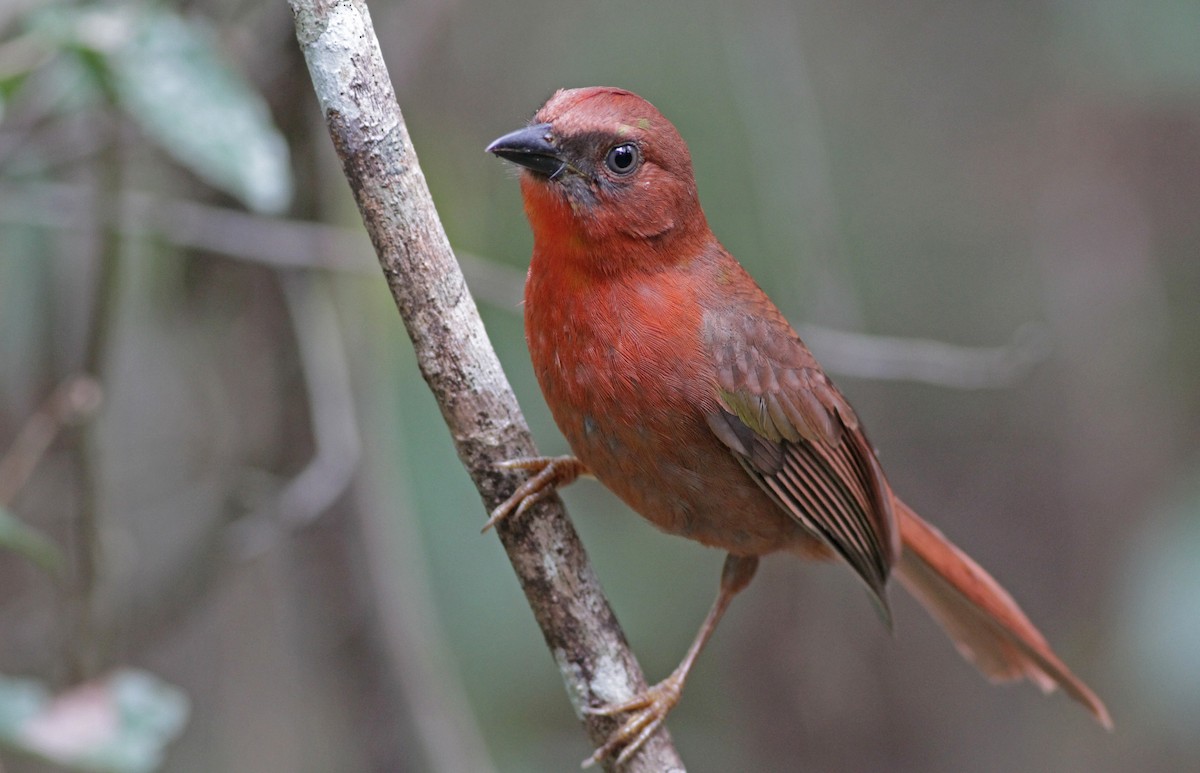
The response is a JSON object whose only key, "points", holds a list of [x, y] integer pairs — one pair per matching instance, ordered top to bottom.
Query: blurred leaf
{"points": [[168, 73], [11, 80], [15, 535], [20, 700], [119, 724]]}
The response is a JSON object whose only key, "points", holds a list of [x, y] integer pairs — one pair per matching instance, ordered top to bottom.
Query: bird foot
{"points": [[550, 472], [650, 709]]}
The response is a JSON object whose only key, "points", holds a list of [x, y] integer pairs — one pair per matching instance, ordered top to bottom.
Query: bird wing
{"points": [[799, 439]]}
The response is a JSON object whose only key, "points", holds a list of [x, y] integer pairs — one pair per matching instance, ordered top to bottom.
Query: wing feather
{"points": [[798, 438]]}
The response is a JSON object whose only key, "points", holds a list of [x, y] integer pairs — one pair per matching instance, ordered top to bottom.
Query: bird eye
{"points": [[623, 159]]}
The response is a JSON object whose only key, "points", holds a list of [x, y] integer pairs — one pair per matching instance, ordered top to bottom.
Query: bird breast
{"points": [[624, 370]]}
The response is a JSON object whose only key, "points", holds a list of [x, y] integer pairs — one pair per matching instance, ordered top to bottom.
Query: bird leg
{"points": [[550, 473], [650, 708]]}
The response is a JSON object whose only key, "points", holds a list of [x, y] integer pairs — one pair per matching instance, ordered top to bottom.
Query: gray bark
{"points": [[457, 361]]}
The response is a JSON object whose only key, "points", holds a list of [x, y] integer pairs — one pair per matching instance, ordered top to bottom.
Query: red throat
{"points": [[597, 242]]}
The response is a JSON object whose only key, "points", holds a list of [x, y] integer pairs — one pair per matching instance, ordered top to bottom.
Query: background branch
{"points": [[290, 243], [457, 361]]}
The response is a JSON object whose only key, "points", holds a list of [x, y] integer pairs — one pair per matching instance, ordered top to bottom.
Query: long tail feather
{"points": [[987, 626]]}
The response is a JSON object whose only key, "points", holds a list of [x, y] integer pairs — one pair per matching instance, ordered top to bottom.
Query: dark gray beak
{"points": [[530, 147]]}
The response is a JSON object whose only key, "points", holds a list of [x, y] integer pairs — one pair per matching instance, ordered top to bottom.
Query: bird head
{"points": [[604, 171]]}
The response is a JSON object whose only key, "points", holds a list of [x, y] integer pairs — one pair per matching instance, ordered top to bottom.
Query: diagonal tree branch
{"points": [[458, 363]]}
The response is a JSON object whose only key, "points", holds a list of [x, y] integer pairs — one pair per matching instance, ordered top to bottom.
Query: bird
{"points": [[683, 389]]}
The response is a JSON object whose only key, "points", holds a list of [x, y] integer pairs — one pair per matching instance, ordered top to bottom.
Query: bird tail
{"points": [[987, 626]]}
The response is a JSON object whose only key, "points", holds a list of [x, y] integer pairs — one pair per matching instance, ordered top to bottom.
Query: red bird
{"points": [[684, 390]]}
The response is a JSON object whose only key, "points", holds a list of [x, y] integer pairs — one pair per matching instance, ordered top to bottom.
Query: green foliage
{"points": [[167, 72], [29, 542], [116, 725]]}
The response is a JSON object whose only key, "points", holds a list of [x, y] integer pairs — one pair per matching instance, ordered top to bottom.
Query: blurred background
{"points": [[229, 508]]}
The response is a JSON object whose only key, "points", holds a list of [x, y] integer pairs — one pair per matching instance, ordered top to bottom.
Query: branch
{"points": [[887, 358], [458, 363], [76, 398]]}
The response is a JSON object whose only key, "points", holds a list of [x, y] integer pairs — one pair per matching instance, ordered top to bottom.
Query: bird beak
{"points": [[530, 147]]}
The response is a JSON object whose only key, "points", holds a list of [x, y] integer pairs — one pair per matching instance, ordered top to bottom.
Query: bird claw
{"points": [[550, 472], [650, 709]]}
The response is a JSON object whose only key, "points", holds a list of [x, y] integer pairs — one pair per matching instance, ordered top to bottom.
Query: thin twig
{"points": [[273, 241], [284, 243], [887, 358], [458, 363], [75, 398], [330, 398], [331, 410], [82, 644]]}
